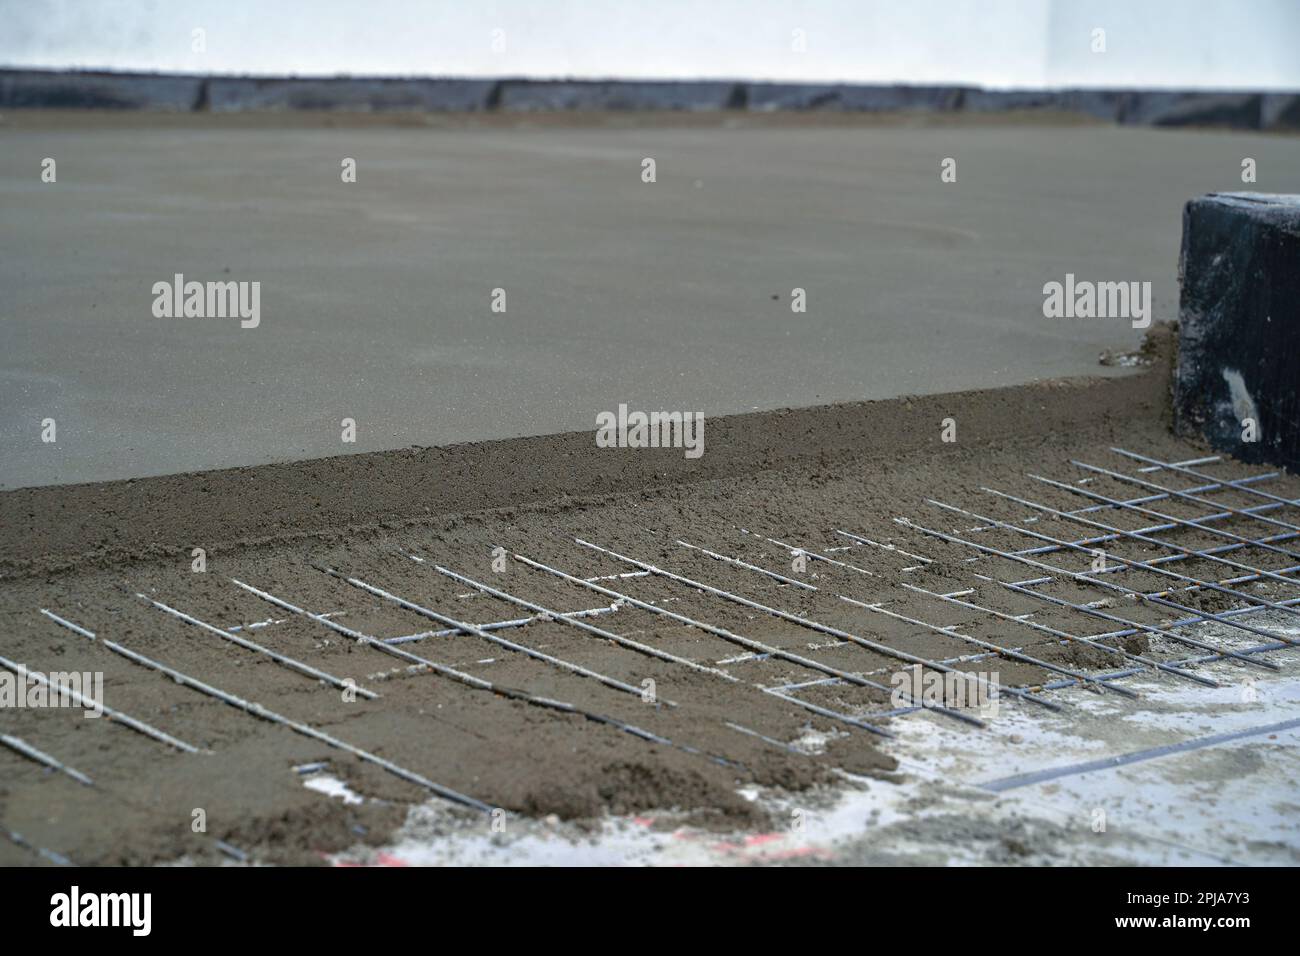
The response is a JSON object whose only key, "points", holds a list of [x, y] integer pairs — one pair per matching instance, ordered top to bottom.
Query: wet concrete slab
{"points": [[376, 296]]}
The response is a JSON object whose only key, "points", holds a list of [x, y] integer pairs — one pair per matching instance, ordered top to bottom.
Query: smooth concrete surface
{"points": [[675, 295]]}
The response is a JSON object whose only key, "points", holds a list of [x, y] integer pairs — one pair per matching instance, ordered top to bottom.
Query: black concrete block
{"points": [[1239, 325]]}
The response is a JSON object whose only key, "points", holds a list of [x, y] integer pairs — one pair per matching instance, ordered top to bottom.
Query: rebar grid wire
{"points": [[1155, 464], [1214, 485], [1189, 496], [1146, 499], [1170, 522], [860, 540], [1095, 540], [795, 549], [1171, 551], [1117, 577], [1087, 579], [1193, 583], [543, 613], [546, 614], [1198, 617], [803, 622], [498, 625], [949, 632], [1054, 632], [1095, 641], [758, 647], [976, 658], [282, 659], [560, 663], [1177, 664], [1172, 667], [467, 679], [257, 710], [113, 715], [20, 746], [58, 859]]}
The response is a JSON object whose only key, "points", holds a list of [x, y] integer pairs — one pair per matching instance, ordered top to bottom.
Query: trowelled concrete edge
{"points": [[55, 89], [54, 529]]}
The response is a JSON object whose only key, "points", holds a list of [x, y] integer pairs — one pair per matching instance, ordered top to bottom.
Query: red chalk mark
{"points": [[757, 839], [748, 849]]}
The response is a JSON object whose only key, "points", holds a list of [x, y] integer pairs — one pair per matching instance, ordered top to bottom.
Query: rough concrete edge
{"points": [[56, 89], [59, 528]]}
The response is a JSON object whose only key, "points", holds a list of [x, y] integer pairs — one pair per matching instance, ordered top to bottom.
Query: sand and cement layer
{"points": [[690, 739]]}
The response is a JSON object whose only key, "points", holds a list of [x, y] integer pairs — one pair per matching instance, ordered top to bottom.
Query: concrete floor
{"points": [[671, 295]]}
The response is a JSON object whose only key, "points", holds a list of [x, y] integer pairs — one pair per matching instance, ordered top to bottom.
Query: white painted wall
{"points": [[1193, 43], [1207, 43]]}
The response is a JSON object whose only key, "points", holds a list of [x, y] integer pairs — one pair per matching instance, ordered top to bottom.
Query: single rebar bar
{"points": [[21, 746]]}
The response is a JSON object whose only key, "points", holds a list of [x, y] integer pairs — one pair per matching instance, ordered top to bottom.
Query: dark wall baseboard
{"points": [[52, 89]]}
